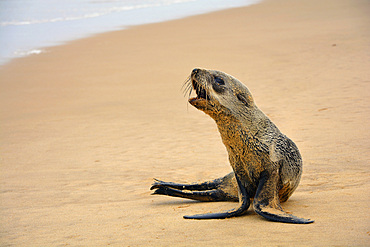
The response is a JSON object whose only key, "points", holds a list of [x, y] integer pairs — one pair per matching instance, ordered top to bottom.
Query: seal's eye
{"points": [[219, 80], [218, 85]]}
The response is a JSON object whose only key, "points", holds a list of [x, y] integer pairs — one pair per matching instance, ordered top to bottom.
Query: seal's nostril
{"points": [[195, 71]]}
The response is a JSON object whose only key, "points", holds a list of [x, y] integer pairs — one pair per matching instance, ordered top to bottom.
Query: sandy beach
{"points": [[86, 126]]}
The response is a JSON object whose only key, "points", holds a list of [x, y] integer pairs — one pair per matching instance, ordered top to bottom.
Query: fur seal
{"points": [[267, 165]]}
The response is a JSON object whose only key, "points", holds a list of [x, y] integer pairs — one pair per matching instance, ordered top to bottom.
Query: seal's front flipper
{"points": [[266, 202], [242, 209], [228, 214], [223, 215], [280, 216]]}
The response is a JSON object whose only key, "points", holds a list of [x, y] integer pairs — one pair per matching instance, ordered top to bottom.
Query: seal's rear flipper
{"points": [[209, 185], [220, 189], [204, 196], [266, 202], [242, 209]]}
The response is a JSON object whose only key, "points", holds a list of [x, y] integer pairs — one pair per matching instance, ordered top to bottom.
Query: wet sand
{"points": [[86, 126]]}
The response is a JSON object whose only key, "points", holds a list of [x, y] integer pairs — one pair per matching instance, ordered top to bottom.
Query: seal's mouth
{"points": [[199, 90], [202, 101]]}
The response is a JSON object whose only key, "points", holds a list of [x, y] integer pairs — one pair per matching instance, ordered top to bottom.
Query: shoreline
{"points": [[34, 35], [86, 126]]}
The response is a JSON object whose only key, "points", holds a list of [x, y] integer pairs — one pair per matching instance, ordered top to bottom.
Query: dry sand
{"points": [[86, 126]]}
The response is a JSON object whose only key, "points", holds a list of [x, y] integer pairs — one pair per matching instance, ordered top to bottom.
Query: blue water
{"points": [[28, 26]]}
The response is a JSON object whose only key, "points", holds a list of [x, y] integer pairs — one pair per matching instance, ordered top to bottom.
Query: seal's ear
{"points": [[243, 99]]}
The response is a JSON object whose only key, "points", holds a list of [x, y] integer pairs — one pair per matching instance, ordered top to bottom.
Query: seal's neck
{"points": [[239, 133], [233, 134]]}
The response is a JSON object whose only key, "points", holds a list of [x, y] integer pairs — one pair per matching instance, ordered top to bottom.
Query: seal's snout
{"points": [[195, 71], [198, 84]]}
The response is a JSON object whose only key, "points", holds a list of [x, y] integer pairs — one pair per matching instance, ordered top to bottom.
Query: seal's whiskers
{"points": [[187, 87]]}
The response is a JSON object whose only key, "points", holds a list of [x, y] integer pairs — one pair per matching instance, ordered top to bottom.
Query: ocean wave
{"points": [[100, 12], [26, 28], [26, 53]]}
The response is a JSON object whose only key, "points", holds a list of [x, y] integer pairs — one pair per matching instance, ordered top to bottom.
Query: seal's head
{"points": [[219, 94]]}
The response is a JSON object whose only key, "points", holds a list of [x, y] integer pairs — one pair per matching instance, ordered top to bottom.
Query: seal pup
{"points": [[267, 165]]}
